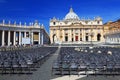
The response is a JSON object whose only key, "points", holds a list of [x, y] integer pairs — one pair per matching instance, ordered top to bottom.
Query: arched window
{"points": [[98, 22], [54, 23]]}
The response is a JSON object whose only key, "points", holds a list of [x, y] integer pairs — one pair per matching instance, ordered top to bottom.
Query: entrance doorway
{"points": [[98, 37], [54, 38], [66, 38], [76, 38], [86, 38], [72, 39]]}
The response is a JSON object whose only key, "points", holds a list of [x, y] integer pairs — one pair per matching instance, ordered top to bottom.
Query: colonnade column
{"points": [[24, 34], [8, 38], [14, 38], [19, 38], [32, 38], [39, 38], [42, 38], [3, 39]]}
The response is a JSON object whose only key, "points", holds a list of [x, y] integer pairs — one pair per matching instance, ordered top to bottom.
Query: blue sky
{"points": [[43, 10]]}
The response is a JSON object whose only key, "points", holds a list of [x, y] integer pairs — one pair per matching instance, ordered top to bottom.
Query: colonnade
{"points": [[8, 37], [113, 38]]}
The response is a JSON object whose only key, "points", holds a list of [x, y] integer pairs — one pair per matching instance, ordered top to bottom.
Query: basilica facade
{"points": [[72, 29]]}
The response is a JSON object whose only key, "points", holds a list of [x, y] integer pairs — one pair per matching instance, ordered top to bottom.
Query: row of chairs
{"points": [[100, 59], [24, 60]]}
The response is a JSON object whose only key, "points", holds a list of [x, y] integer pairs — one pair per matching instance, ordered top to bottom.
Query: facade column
{"points": [[24, 34], [69, 35], [73, 35], [79, 35], [83, 35], [63, 36], [8, 38], [14, 38], [19, 38], [39, 38], [3, 39]]}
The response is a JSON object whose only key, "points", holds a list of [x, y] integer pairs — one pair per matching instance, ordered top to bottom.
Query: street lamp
{"points": [[91, 35]]}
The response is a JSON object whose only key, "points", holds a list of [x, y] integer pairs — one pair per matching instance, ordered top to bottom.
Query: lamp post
{"points": [[59, 35], [91, 35], [91, 38], [105, 38]]}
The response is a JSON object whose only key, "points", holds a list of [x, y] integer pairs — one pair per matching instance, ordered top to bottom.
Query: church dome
{"points": [[71, 15]]}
